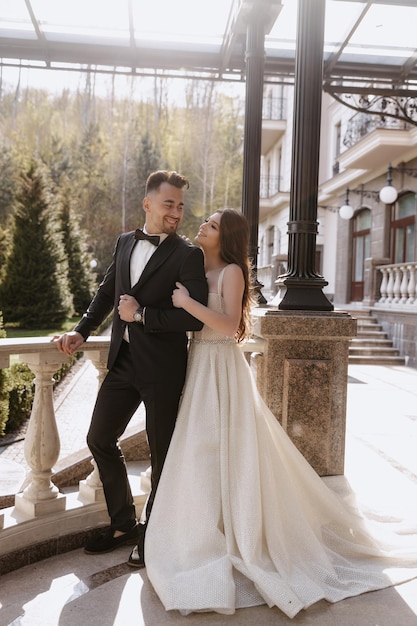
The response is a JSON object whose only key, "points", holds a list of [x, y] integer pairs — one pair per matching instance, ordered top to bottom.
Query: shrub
{"points": [[4, 388], [21, 393], [4, 399]]}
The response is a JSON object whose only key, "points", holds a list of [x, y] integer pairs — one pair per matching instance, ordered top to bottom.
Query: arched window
{"points": [[403, 229]]}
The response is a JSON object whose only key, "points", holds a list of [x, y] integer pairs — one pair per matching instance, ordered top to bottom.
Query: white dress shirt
{"points": [[141, 254]]}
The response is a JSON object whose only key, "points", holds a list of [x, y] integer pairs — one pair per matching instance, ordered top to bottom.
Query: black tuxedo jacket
{"points": [[159, 346]]}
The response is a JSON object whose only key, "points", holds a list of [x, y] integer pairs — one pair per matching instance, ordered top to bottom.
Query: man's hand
{"points": [[127, 306], [68, 343]]}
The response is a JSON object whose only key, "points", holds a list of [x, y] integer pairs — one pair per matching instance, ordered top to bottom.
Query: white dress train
{"points": [[241, 519]]}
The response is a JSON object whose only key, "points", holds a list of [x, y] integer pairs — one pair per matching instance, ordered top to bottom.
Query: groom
{"points": [[148, 350]]}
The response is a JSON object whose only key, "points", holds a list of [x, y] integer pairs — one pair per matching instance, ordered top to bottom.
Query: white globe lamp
{"points": [[388, 194], [346, 212]]}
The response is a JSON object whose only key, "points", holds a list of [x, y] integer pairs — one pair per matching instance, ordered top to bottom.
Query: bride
{"points": [[240, 518]]}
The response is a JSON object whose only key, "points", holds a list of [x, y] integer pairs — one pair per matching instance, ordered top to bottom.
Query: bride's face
{"points": [[208, 236]]}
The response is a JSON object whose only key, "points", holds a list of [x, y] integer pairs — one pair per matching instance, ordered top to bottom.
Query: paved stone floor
{"points": [[380, 467]]}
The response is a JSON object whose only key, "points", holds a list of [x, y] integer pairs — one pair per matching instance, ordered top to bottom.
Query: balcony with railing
{"points": [[274, 122], [372, 141], [269, 186]]}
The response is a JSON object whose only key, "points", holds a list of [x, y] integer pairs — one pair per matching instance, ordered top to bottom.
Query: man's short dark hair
{"points": [[156, 179]]}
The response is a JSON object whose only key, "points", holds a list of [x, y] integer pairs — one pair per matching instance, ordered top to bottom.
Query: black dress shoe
{"points": [[106, 542], [136, 558]]}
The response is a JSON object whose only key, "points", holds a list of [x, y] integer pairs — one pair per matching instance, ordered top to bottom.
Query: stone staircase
{"points": [[372, 346]]}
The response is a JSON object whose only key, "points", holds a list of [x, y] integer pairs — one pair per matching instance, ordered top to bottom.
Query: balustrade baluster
{"points": [[404, 284], [384, 285], [390, 285], [397, 285], [412, 292], [42, 444], [91, 489]]}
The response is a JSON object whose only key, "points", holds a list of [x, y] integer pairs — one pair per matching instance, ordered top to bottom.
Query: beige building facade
{"points": [[366, 246]]}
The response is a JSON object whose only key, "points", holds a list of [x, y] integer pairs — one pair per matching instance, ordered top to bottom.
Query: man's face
{"points": [[164, 209]]}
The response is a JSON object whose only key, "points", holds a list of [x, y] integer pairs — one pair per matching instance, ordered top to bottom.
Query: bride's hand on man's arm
{"points": [[180, 295]]}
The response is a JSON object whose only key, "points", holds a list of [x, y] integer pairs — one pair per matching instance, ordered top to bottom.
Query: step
{"points": [[365, 317], [368, 326], [371, 334], [370, 342], [370, 351], [376, 360]]}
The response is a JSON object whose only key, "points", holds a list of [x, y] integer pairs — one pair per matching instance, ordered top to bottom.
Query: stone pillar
{"points": [[302, 377], [42, 445]]}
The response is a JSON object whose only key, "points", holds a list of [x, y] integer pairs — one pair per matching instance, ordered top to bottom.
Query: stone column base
{"points": [[302, 376], [88, 494], [39, 507]]}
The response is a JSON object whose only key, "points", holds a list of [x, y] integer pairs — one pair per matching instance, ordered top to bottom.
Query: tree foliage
{"points": [[98, 152], [80, 277], [34, 292], [4, 388]]}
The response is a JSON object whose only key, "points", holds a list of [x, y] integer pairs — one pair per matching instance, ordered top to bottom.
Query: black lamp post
{"points": [[259, 16], [301, 286]]}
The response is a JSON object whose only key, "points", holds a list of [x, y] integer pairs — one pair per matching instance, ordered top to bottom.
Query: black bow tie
{"points": [[154, 239]]}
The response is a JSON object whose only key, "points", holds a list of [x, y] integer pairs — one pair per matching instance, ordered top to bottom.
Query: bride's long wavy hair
{"points": [[234, 248]]}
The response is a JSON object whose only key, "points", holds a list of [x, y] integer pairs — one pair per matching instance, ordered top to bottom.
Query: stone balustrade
{"points": [[398, 287], [42, 444]]}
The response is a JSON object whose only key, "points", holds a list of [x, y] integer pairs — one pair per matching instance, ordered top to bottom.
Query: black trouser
{"points": [[117, 400]]}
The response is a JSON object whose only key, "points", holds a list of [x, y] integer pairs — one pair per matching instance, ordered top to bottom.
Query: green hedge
{"points": [[17, 391], [21, 392], [4, 400]]}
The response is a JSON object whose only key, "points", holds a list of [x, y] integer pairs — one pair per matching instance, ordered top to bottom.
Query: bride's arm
{"points": [[227, 322]]}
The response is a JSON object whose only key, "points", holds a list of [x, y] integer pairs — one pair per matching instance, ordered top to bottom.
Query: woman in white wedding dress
{"points": [[240, 518]]}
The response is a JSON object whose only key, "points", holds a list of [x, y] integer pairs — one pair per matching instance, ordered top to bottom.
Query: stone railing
{"points": [[398, 286], [42, 445], [41, 497]]}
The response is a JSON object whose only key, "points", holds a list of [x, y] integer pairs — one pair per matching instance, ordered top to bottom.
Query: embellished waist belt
{"points": [[213, 341]]}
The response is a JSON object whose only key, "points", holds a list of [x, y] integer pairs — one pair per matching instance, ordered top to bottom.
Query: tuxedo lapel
{"points": [[164, 250], [126, 264]]}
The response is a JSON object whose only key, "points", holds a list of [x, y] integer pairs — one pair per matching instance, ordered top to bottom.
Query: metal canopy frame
{"points": [[343, 74]]}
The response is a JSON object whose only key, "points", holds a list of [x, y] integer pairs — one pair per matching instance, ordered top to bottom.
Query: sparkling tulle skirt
{"points": [[240, 518]]}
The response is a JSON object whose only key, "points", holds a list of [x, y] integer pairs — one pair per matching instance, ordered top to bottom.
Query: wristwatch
{"points": [[138, 315]]}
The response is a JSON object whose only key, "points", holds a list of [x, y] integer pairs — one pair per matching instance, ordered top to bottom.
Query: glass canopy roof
{"points": [[369, 41]]}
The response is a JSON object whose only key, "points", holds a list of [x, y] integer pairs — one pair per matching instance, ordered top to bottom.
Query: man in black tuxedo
{"points": [[148, 348]]}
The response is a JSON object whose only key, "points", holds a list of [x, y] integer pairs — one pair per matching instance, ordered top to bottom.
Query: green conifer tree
{"points": [[148, 160], [7, 183], [80, 276], [35, 291]]}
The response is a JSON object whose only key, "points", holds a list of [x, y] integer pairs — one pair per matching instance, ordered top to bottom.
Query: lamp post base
{"points": [[302, 295]]}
